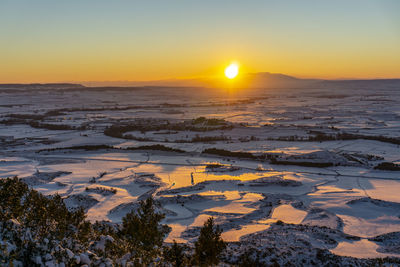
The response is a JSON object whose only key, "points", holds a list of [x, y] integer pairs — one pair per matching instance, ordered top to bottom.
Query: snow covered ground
{"points": [[288, 175]]}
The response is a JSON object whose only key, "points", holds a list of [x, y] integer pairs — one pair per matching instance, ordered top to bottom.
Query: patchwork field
{"points": [[301, 168]]}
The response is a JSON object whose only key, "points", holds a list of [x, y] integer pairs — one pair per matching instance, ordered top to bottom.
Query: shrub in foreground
{"points": [[38, 230], [209, 246]]}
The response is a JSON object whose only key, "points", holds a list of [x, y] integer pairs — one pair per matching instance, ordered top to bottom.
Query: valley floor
{"points": [[305, 179]]}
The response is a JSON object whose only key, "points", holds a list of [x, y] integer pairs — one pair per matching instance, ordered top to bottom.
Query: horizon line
{"points": [[85, 82]]}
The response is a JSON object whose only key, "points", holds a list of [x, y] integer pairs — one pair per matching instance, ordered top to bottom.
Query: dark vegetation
{"points": [[36, 116], [36, 121], [209, 122], [200, 124], [41, 125], [197, 125], [50, 126], [320, 136], [136, 138], [199, 138], [196, 139], [83, 147], [99, 147], [156, 147], [227, 153], [240, 154], [302, 163], [213, 165], [388, 166], [217, 167], [101, 190], [47, 220], [37, 229], [143, 232], [209, 245], [176, 255], [251, 258]]}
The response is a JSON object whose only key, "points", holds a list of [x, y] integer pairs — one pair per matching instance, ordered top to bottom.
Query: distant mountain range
{"points": [[250, 80], [253, 80], [40, 85]]}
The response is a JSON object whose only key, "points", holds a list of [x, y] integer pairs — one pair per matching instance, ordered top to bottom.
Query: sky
{"points": [[82, 40]]}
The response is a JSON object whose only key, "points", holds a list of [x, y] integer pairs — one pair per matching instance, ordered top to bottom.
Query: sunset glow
{"points": [[175, 41], [232, 71]]}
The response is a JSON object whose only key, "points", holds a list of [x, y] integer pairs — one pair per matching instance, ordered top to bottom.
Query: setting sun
{"points": [[232, 71]]}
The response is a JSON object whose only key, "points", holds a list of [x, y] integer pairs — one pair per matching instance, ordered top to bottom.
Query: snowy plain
{"points": [[289, 177]]}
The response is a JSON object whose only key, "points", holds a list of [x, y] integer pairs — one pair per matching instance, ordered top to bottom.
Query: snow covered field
{"points": [[310, 158]]}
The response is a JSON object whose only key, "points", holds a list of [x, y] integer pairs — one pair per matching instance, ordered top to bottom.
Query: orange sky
{"points": [[49, 41]]}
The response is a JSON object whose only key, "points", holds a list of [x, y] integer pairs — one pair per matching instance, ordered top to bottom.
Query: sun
{"points": [[232, 71]]}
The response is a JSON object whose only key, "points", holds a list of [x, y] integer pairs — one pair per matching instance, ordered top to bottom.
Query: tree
{"points": [[12, 194], [35, 224], [142, 229], [210, 245], [175, 255], [250, 258]]}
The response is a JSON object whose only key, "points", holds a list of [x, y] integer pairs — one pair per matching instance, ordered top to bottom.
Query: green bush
{"points": [[35, 228], [143, 231], [210, 245], [175, 255]]}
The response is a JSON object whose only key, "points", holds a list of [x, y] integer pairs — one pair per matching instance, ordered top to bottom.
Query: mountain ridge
{"points": [[248, 80]]}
